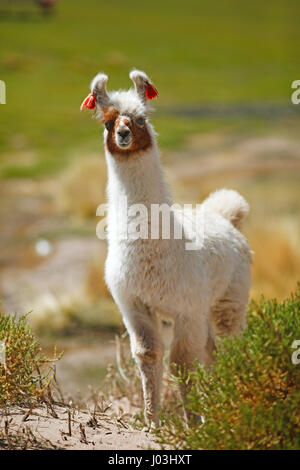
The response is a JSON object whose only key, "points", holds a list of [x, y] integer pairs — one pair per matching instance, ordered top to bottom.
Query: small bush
{"points": [[25, 371], [250, 398]]}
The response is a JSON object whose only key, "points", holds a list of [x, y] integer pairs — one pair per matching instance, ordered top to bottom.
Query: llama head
{"points": [[125, 114]]}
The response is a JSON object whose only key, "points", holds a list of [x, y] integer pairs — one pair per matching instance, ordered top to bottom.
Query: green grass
{"points": [[195, 52], [250, 399]]}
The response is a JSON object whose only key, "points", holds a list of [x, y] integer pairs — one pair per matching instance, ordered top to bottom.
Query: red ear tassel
{"points": [[151, 91], [88, 102]]}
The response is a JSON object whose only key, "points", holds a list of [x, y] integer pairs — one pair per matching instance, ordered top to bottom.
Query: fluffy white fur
{"points": [[204, 292]]}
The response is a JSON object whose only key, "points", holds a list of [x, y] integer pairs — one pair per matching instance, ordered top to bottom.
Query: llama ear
{"points": [[143, 87], [98, 89]]}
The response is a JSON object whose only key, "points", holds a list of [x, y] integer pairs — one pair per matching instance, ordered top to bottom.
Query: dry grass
{"points": [[81, 188], [276, 266], [96, 287], [75, 315]]}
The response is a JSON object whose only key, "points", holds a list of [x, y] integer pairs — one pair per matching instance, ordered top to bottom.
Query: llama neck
{"points": [[140, 179]]}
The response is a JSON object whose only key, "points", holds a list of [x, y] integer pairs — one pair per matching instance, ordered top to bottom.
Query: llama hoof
{"points": [[151, 428]]}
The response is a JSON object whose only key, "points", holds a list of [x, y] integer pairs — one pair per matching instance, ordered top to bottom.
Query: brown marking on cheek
{"points": [[141, 141]]}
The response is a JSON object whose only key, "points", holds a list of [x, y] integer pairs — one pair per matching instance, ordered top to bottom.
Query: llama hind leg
{"points": [[228, 316], [191, 342], [147, 349]]}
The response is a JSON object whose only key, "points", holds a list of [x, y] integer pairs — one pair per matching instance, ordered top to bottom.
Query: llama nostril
{"points": [[124, 134]]}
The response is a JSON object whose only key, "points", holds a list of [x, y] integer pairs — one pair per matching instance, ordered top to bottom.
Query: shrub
{"points": [[25, 371], [250, 398]]}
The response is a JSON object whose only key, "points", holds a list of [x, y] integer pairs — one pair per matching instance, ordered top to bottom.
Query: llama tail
{"points": [[230, 204]]}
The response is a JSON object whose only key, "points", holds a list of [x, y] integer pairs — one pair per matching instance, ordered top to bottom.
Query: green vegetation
{"points": [[196, 54], [25, 373], [250, 399]]}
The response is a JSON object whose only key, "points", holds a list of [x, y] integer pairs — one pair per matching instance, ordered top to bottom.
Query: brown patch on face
{"points": [[109, 115], [140, 135]]}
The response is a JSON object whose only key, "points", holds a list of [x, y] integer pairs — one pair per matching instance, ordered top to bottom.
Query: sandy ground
{"points": [[70, 430]]}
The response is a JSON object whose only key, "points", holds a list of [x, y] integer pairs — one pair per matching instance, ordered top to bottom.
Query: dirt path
{"points": [[59, 429]]}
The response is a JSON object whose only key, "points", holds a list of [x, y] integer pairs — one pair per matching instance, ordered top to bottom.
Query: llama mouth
{"points": [[124, 143]]}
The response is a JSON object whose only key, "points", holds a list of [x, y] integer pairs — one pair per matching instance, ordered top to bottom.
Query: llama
{"points": [[205, 291]]}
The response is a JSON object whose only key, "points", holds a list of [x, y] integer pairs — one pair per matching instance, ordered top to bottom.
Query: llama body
{"points": [[163, 273], [203, 291]]}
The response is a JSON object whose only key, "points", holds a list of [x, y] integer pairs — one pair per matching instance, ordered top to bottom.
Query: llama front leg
{"points": [[147, 349]]}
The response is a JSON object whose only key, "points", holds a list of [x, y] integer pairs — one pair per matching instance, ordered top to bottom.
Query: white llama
{"points": [[204, 291]]}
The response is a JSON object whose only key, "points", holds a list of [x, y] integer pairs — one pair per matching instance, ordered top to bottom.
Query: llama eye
{"points": [[140, 121], [109, 125]]}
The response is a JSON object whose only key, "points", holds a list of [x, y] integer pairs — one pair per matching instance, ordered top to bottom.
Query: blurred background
{"points": [[224, 117]]}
